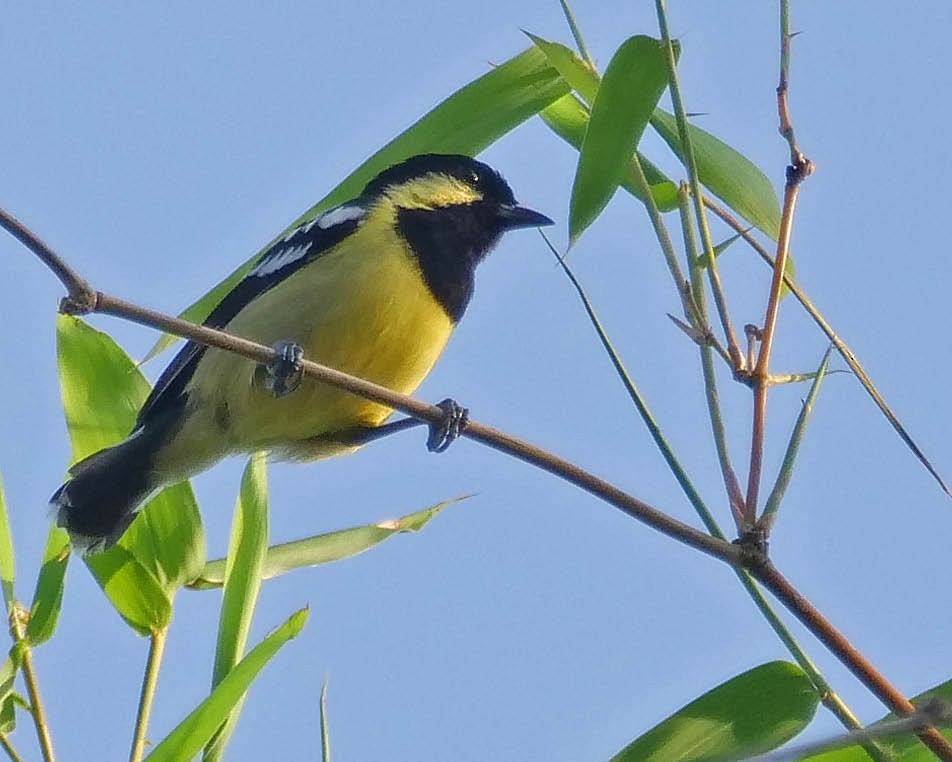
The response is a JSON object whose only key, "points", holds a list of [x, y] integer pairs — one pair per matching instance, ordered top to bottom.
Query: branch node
{"points": [[80, 301], [754, 548]]}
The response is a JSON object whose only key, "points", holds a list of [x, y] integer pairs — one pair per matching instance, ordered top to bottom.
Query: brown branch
{"points": [[799, 170], [110, 305], [841, 346], [735, 555], [768, 575]]}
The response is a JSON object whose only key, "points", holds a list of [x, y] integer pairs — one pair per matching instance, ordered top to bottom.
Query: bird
{"points": [[373, 287]]}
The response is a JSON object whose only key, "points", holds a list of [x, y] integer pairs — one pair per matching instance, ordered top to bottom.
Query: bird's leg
{"points": [[284, 372], [448, 429], [442, 433]]}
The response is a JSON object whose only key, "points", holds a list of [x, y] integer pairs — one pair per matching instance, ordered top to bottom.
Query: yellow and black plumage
{"points": [[373, 287]]}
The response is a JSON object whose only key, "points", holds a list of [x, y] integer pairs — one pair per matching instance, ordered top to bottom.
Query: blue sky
{"points": [[156, 148]]}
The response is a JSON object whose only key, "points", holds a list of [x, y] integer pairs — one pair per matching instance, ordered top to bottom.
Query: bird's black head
{"points": [[451, 210]]}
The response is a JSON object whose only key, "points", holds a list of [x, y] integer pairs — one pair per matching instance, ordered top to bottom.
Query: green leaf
{"points": [[581, 77], [633, 83], [568, 118], [466, 122], [727, 173], [102, 392], [324, 548], [246, 554], [7, 561], [135, 593], [48, 596], [8, 673], [749, 714], [325, 730], [187, 739], [905, 747]]}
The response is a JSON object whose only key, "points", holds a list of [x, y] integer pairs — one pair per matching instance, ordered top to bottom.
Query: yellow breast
{"points": [[362, 308]]}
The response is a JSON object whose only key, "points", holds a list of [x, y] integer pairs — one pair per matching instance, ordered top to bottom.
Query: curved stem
{"points": [[771, 578], [149, 682]]}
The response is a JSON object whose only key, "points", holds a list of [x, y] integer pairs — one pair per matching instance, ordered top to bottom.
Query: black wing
{"points": [[301, 246]]}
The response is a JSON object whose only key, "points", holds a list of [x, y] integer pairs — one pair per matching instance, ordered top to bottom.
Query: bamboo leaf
{"points": [[633, 83], [568, 118], [466, 122], [729, 175], [102, 391], [323, 548], [7, 560], [243, 566], [48, 596], [749, 714], [190, 735]]}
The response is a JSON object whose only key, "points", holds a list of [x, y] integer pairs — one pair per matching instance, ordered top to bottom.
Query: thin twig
{"points": [[577, 34], [799, 170], [693, 177], [77, 288], [841, 346], [498, 440], [731, 484], [769, 516], [734, 555], [768, 575], [18, 618], [150, 680], [831, 700], [8, 748]]}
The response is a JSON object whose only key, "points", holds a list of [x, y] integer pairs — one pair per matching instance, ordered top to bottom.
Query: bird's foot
{"points": [[284, 372], [447, 431]]}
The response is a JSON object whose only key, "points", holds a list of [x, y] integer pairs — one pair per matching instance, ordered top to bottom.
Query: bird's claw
{"points": [[284, 372], [447, 430]]}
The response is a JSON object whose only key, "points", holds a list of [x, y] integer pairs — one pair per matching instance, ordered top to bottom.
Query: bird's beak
{"points": [[512, 217]]}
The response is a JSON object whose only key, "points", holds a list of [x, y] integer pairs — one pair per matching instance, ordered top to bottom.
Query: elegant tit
{"points": [[373, 287]]}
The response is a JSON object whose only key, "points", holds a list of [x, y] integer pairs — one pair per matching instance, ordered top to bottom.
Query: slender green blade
{"points": [[581, 77], [633, 83], [568, 118], [466, 122], [729, 175], [102, 391], [793, 446], [324, 548], [246, 555], [7, 561], [134, 592], [48, 596], [8, 673], [749, 714], [325, 730], [188, 738]]}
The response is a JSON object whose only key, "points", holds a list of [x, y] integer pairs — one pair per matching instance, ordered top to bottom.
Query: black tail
{"points": [[104, 492]]}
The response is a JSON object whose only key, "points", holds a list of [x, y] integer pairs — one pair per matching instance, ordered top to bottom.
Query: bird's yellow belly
{"points": [[374, 319]]}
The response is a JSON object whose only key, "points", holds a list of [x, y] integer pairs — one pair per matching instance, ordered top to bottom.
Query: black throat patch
{"points": [[448, 243]]}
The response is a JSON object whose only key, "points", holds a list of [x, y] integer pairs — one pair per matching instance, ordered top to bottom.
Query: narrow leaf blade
{"points": [[630, 89], [568, 118], [466, 122], [727, 173], [102, 391], [324, 548], [246, 555], [7, 560], [48, 596], [749, 714], [188, 738]]}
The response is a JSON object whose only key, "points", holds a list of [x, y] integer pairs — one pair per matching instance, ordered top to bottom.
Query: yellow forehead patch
{"points": [[431, 192]]}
